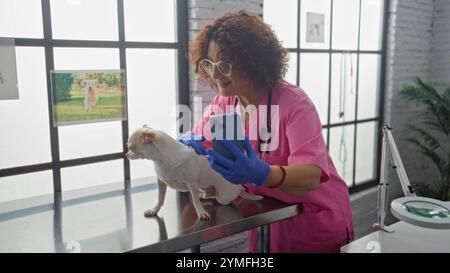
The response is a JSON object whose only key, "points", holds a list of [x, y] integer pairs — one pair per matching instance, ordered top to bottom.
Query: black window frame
{"points": [[48, 43], [381, 87]]}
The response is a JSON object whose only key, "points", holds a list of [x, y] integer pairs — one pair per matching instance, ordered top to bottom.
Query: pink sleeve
{"points": [[306, 143]]}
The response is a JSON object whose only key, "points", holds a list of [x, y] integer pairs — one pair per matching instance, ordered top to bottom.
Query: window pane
{"points": [[21, 18], [84, 19], [283, 19], [150, 20], [345, 24], [371, 24], [311, 27], [86, 58], [369, 74], [291, 75], [314, 80], [343, 87], [151, 96], [25, 135], [325, 135], [88, 139], [85, 140], [341, 150], [366, 151], [91, 175], [25, 185]]}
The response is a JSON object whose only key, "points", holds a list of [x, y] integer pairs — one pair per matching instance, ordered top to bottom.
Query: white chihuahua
{"points": [[179, 167]]}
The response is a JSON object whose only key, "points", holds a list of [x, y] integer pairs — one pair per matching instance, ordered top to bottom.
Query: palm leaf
{"points": [[431, 91], [420, 92], [413, 93], [428, 95], [446, 95], [440, 112], [442, 118], [435, 119], [431, 122], [432, 142], [437, 160], [447, 170]]}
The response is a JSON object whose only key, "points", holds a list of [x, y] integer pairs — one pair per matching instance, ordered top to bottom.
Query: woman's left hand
{"points": [[247, 167]]}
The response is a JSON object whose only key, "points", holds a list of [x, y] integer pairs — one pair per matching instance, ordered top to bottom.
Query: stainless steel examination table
{"points": [[110, 218]]}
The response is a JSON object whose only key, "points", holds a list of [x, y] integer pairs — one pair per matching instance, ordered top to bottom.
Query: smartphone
{"points": [[227, 127]]}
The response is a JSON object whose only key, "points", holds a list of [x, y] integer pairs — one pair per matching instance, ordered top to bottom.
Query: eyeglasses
{"points": [[223, 67]]}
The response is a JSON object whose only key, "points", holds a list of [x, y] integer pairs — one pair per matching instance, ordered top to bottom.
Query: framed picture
{"points": [[315, 27], [8, 70], [88, 96]]}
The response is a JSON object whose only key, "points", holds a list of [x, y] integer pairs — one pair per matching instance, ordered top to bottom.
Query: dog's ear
{"points": [[83, 83], [148, 137]]}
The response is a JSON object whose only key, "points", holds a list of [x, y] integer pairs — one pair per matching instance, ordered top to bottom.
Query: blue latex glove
{"points": [[194, 141], [246, 167]]}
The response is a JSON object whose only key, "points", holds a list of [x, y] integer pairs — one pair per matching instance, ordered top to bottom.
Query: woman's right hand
{"points": [[193, 141]]}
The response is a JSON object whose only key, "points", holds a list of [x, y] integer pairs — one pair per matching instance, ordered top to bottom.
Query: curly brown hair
{"points": [[245, 41]]}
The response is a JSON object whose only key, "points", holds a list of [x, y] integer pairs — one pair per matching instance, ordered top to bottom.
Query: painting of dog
{"points": [[90, 94], [87, 96]]}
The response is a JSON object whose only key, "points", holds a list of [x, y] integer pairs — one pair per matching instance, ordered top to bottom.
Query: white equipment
{"points": [[419, 211]]}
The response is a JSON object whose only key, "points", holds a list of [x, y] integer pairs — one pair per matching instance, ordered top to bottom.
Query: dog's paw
{"points": [[150, 213], [203, 215]]}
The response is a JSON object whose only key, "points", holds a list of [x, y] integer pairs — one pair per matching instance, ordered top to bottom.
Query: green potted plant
{"points": [[433, 127]]}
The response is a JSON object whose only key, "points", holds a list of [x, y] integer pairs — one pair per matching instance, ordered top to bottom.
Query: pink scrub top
{"points": [[326, 222]]}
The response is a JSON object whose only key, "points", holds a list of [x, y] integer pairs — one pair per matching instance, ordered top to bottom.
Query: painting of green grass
{"points": [[69, 97]]}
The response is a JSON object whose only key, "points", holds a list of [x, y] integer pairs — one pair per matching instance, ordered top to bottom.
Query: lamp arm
{"points": [[389, 147], [397, 163], [382, 187]]}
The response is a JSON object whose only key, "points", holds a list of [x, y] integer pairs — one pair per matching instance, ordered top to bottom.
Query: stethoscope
{"points": [[269, 127]]}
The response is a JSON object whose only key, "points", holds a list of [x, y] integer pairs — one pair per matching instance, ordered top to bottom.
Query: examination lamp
{"points": [[412, 209]]}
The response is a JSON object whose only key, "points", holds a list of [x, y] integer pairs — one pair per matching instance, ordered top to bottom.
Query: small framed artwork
{"points": [[315, 27], [8, 70], [88, 96]]}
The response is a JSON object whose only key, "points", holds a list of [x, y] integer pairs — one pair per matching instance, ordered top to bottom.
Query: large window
{"points": [[147, 38], [336, 53]]}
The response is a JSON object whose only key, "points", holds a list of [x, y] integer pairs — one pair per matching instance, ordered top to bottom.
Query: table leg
{"points": [[264, 239], [195, 249]]}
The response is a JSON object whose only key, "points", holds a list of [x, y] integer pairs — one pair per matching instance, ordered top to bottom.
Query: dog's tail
{"points": [[248, 196]]}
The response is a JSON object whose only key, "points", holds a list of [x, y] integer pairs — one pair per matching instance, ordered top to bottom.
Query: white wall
{"points": [[409, 52], [440, 54]]}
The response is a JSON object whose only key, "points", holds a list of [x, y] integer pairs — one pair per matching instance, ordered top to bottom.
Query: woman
{"points": [[240, 56]]}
